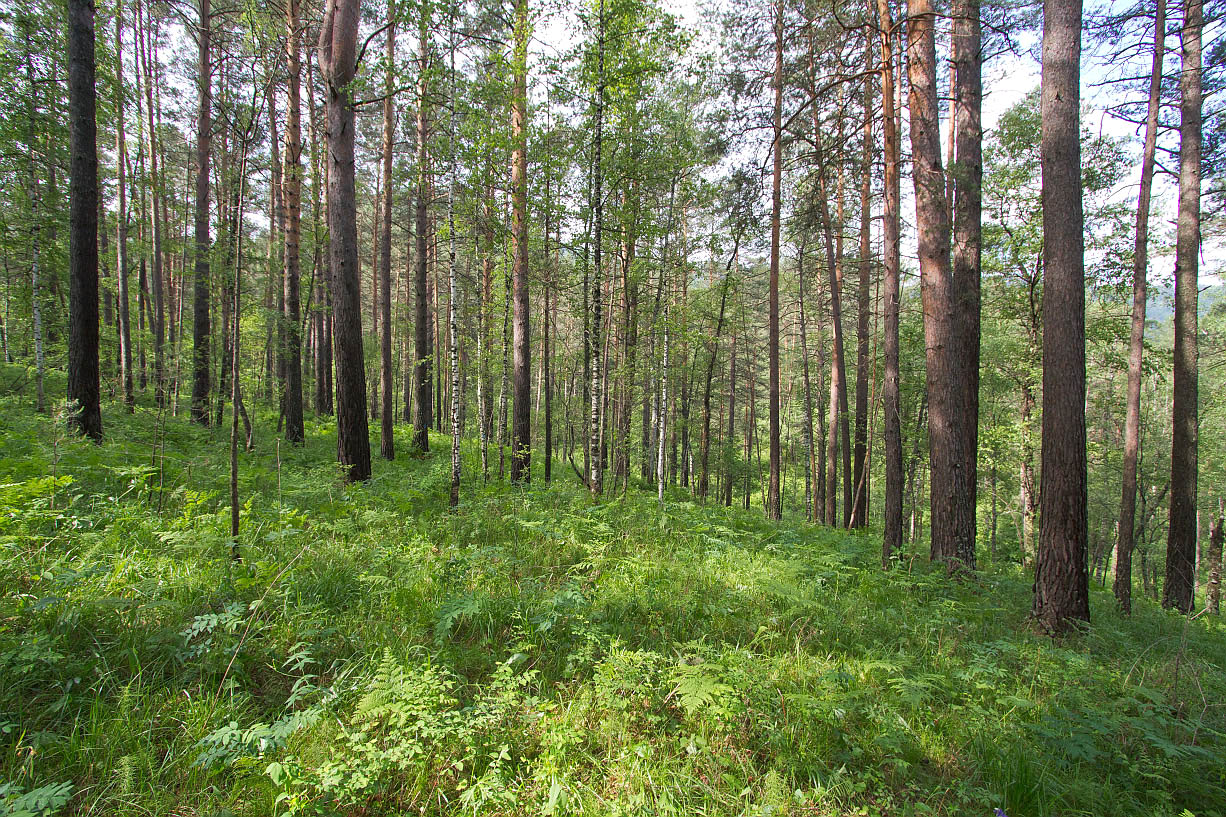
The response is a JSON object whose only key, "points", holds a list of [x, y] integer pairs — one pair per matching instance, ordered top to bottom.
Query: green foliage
{"points": [[533, 653]]}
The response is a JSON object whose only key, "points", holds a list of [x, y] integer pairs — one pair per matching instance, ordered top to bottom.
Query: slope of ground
{"points": [[533, 653]]}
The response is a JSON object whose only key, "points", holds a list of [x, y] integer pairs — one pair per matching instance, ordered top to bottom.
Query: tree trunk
{"points": [[337, 63], [966, 172], [291, 198], [891, 223], [35, 226], [155, 226], [121, 229], [201, 331], [453, 332], [1136, 345], [84, 392], [423, 403], [521, 408], [387, 445], [595, 448], [729, 457], [860, 472], [947, 483], [774, 504], [811, 512], [1061, 578], [1177, 592], [1214, 592]]}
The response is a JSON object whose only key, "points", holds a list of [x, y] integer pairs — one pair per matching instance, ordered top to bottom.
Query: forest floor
{"points": [[533, 653]]}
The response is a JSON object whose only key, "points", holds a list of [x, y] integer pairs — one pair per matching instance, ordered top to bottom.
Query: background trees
{"points": [[664, 186]]}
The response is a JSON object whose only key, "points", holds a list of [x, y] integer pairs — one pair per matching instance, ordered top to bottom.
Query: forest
{"points": [[612, 407]]}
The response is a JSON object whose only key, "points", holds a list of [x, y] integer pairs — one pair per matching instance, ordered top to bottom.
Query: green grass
{"points": [[533, 653]]}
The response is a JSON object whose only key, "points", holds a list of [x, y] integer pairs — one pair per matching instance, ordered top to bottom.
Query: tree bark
{"points": [[337, 64], [121, 152], [966, 172], [291, 197], [155, 226], [891, 262], [201, 331], [453, 332], [84, 391], [423, 403], [521, 407], [387, 446], [595, 448], [860, 471], [774, 506], [1061, 575], [1122, 585], [1178, 590], [1214, 591]]}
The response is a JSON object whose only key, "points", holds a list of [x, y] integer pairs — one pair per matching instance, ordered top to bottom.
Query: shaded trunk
{"points": [[337, 63], [121, 151], [966, 172], [291, 198], [891, 223], [155, 226], [201, 331], [84, 392], [423, 401], [521, 407], [387, 445], [595, 456], [860, 472], [947, 482], [774, 503], [1214, 559], [1061, 578], [1122, 585], [1178, 590]]}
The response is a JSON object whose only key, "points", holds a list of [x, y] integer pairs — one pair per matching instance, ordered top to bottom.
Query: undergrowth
{"points": [[533, 653]]}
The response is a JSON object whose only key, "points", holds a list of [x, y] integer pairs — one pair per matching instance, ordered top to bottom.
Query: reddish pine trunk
{"points": [[1181, 539], [1061, 577]]}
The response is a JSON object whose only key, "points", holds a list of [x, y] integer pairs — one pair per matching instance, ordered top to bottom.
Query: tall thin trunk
{"points": [[337, 63], [966, 172], [291, 198], [155, 225], [35, 226], [121, 229], [201, 331], [453, 332], [84, 389], [236, 399], [423, 403], [807, 407], [837, 407], [521, 429], [595, 441], [387, 445], [704, 445], [729, 457], [860, 472], [774, 505], [892, 539], [1061, 585], [1122, 585], [1178, 590], [1213, 594]]}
